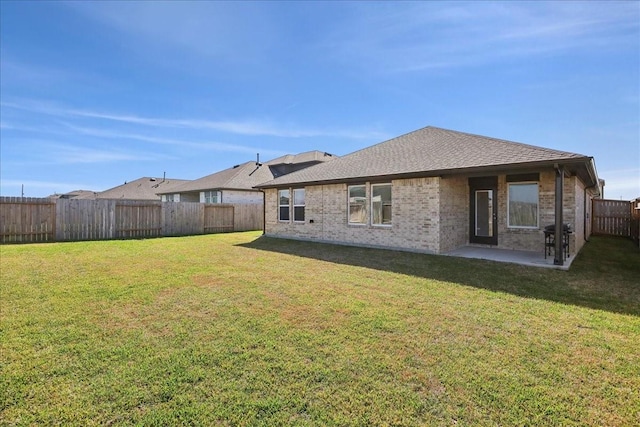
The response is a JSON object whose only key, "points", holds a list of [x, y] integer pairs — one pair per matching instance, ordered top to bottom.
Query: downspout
{"points": [[588, 208], [264, 212], [584, 217], [322, 224], [559, 225]]}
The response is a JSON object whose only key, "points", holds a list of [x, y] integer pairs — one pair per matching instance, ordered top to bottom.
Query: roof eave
{"points": [[441, 172], [208, 189]]}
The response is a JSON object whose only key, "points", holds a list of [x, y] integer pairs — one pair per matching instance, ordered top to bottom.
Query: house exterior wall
{"points": [[589, 196], [171, 197], [190, 197], [242, 197], [454, 213], [573, 213], [428, 214], [580, 216], [415, 217], [526, 239]]}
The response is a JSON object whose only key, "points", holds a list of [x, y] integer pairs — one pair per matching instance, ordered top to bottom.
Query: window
{"points": [[171, 197], [212, 197], [298, 204], [357, 204], [381, 204], [283, 205], [523, 205]]}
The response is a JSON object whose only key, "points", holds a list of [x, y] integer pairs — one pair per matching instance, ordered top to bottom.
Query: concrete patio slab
{"points": [[532, 259]]}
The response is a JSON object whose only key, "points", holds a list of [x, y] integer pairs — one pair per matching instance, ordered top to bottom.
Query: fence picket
{"points": [[612, 217], [47, 220]]}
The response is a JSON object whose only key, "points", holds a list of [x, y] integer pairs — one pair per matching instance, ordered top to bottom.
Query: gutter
{"points": [[479, 170], [594, 175]]}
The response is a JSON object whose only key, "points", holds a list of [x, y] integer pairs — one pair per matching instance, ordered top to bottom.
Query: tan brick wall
{"points": [[242, 197], [454, 212], [428, 214], [415, 217], [579, 225], [525, 238], [532, 239]]}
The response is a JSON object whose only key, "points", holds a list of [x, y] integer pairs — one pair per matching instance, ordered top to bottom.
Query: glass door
{"points": [[483, 218]]}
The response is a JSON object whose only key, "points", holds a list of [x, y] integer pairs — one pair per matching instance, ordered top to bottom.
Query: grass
{"points": [[237, 329]]}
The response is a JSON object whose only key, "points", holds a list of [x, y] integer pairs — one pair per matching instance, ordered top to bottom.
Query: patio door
{"points": [[483, 210]]}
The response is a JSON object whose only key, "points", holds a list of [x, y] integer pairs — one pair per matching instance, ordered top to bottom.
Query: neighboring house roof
{"points": [[433, 151], [306, 157], [247, 175], [240, 177], [145, 188], [76, 194]]}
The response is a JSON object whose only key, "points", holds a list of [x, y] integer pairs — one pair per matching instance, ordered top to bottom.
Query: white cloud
{"points": [[421, 36], [238, 127], [201, 145], [47, 152]]}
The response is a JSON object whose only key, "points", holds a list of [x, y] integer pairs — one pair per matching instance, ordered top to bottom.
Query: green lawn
{"points": [[236, 329]]}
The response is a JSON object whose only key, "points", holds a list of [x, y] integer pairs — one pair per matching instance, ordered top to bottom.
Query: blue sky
{"points": [[94, 94]]}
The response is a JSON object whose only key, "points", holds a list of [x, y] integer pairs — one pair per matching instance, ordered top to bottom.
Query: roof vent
{"points": [[236, 166], [152, 179]]}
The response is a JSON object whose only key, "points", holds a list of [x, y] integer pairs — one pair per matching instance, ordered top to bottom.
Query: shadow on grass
{"points": [[604, 276]]}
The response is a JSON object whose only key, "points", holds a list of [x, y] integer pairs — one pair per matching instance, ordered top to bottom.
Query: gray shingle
{"points": [[426, 150], [248, 175], [241, 177], [145, 188]]}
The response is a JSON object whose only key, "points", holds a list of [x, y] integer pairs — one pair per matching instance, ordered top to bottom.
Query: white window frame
{"points": [[207, 195], [298, 205], [282, 206], [366, 214], [381, 224], [525, 227]]}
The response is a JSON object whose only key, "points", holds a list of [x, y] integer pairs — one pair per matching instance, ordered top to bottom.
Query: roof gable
{"points": [[427, 150], [306, 157]]}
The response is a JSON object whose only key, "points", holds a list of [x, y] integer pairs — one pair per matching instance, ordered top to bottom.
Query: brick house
{"points": [[435, 190]]}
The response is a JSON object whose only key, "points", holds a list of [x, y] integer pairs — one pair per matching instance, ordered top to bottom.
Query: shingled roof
{"points": [[430, 151], [306, 157], [247, 175], [240, 177], [145, 188]]}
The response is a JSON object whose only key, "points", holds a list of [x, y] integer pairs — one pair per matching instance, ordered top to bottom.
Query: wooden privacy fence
{"points": [[612, 217], [25, 219], [48, 220], [635, 226]]}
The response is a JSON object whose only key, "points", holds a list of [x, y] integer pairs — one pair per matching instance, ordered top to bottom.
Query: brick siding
{"points": [[428, 214]]}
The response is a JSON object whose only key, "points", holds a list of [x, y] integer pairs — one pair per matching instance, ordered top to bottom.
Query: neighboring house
{"points": [[236, 184], [145, 188], [435, 190], [77, 194]]}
